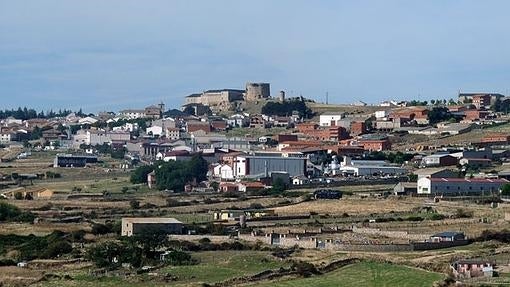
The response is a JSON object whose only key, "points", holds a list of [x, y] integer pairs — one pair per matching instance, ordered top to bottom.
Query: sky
{"points": [[109, 55]]}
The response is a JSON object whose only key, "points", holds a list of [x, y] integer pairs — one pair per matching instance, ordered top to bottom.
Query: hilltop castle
{"points": [[223, 99]]}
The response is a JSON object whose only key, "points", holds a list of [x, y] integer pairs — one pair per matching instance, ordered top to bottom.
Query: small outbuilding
{"points": [[138, 225]]}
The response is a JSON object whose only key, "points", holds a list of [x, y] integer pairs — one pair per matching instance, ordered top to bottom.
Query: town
{"points": [[248, 186]]}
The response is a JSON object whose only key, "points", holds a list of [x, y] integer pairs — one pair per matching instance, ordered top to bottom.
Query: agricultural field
{"points": [[213, 267], [370, 274]]}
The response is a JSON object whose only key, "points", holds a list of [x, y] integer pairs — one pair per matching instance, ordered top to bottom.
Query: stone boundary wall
{"points": [[390, 234], [314, 243]]}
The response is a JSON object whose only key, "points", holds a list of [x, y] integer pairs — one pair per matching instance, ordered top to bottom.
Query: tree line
{"points": [[29, 113]]}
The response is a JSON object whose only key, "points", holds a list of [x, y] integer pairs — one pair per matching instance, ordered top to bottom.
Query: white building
{"points": [[132, 114], [381, 114], [330, 120], [87, 121], [154, 131], [173, 133], [7, 137], [99, 137], [259, 166], [368, 168], [224, 171], [459, 185]]}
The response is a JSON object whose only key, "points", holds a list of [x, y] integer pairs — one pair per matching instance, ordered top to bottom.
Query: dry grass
{"points": [[351, 206], [40, 229]]}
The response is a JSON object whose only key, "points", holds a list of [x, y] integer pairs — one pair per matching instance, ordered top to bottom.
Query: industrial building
{"points": [[69, 160], [436, 160], [257, 166], [367, 168], [458, 186], [138, 225]]}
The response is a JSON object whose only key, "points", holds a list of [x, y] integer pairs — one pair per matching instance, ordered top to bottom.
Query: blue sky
{"points": [[109, 55]]}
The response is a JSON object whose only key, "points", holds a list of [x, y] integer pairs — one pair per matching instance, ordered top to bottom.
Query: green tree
{"points": [[438, 114], [139, 175], [505, 189], [106, 254]]}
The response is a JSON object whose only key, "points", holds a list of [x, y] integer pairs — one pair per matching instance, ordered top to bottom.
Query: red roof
{"points": [[474, 180]]}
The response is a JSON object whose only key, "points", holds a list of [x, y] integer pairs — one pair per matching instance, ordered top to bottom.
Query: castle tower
{"points": [[257, 91], [281, 98]]}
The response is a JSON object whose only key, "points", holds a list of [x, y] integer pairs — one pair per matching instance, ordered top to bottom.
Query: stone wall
{"points": [[391, 234]]}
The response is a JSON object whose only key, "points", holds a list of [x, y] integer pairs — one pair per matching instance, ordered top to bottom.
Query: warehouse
{"points": [[69, 160], [262, 166], [368, 168], [459, 186], [138, 225]]}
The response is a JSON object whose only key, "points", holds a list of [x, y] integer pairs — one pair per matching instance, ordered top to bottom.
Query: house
{"points": [[480, 99], [154, 112], [132, 114], [417, 114], [475, 115], [238, 120], [328, 120], [87, 121], [258, 121], [219, 125], [193, 126], [358, 128], [154, 131], [173, 133], [332, 133], [7, 137], [376, 145], [439, 160], [224, 171], [250, 186], [456, 186], [228, 187], [405, 188], [234, 214], [139, 225], [448, 236], [469, 268]]}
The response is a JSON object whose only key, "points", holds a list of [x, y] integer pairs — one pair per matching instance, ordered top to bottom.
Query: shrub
{"points": [[134, 204], [256, 205], [462, 213], [436, 216], [98, 229], [204, 240], [56, 249], [177, 258], [304, 268]]}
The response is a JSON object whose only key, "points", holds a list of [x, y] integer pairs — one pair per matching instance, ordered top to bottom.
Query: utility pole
{"points": [[327, 96]]}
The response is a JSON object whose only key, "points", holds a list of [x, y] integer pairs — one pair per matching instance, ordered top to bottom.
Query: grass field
{"points": [[214, 266], [365, 274]]}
